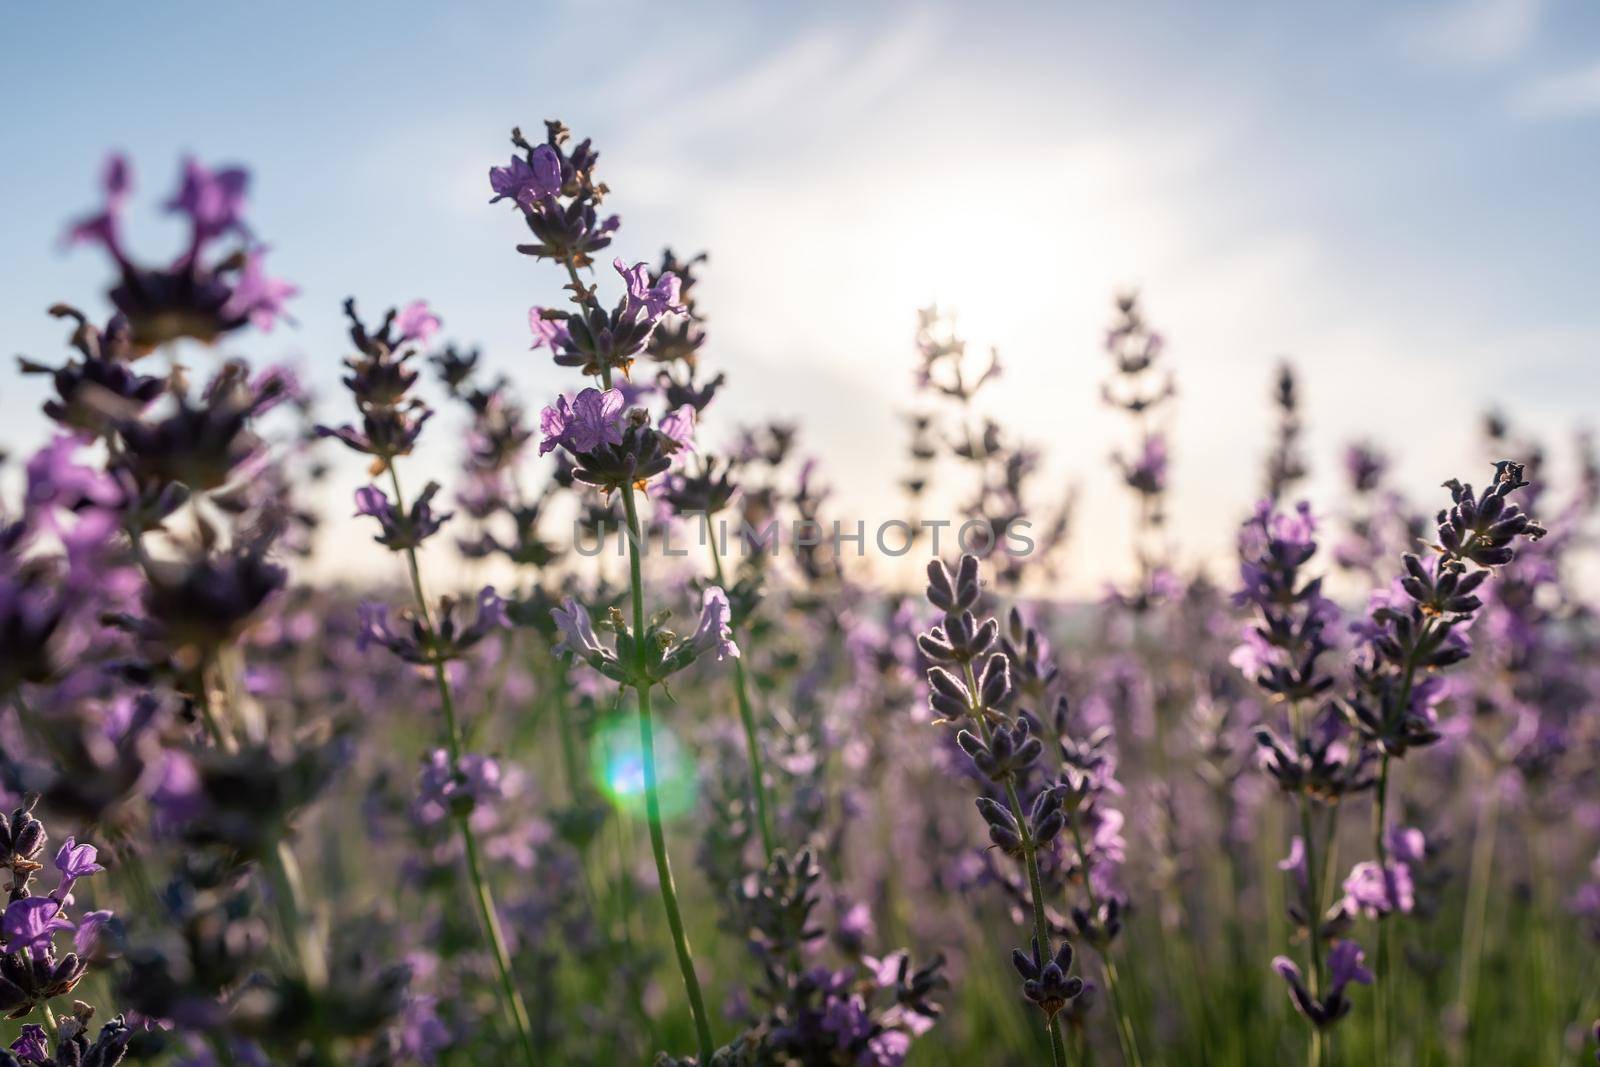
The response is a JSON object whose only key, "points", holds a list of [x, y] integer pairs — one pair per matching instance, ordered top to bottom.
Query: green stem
{"points": [[570, 761], [758, 784], [652, 799], [1380, 827], [658, 843], [289, 891], [1313, 896], [1311, 899], [1475, 914], [1546, 951], [511, 999], [1125, 1034]]}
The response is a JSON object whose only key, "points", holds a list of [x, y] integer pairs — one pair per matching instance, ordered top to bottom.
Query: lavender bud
{"points": [[957, 595], [994, 688], [948, 695], [1011, 750], [1047, 818], [1003, 828], [1046, 982]]}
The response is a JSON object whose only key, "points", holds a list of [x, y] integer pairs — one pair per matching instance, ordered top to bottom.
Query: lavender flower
{"points": [[553, 186], [197, 296], [594, 338], [381, 378], [611, 448], [402, 531], [1424, 629], [712, 636], [448, 638], [74, 861], [31, 924], [1344, 967], [31, 973], [72, 1045]]}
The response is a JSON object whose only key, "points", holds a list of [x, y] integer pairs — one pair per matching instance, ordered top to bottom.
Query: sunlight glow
{"points": [[617, 765]]}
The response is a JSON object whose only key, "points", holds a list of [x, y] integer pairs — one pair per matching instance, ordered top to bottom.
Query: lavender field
{"points": [[411, 713]]}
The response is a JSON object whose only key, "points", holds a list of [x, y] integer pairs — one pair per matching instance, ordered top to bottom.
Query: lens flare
{"points": [[616, 763]]}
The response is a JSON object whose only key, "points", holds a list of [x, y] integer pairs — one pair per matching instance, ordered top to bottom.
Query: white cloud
{"points": [[1474, 33], [1572, 92]]}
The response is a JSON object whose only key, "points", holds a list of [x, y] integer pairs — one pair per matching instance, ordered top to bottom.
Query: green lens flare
{"points": [[616, 763]]}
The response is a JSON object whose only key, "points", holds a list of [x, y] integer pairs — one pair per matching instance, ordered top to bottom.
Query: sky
{"points": [[1398, 197]]}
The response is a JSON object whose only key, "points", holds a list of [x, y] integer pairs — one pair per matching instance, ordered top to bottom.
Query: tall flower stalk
{"points": [[380, 380], [1141, 391], [616, 449], [1416, 630], [1283, 643], [1001, 751], [1084, 783]]}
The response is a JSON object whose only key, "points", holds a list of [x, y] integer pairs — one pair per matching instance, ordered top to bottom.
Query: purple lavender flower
{"points": [[528, 180], [554, 188], [212, 199], [101, 227], [197, 296], [257, 297], [649, 297], [416, 323], [548, 331], [595, 338], [99, 387], [596, 421], [677, 426], [385, 434], [609, 446], [1364, 466], [1148, 472], [57, 482], [399, 531], [194, 607], [1422, 626], [577, 631], [713, 637], [449, 639], [1284, 642], [467, 788], [74, 861], [1294, 864], [1376, 891], [31, 923], [92, 926], [1344, 967], [423, 1034], [32, 1044], [72, 1045]]}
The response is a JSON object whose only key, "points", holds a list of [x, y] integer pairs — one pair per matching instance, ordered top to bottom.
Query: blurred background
{"points": [[1398, 197]]}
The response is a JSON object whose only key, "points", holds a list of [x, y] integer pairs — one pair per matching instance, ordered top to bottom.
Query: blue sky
{"points": [[1401, 197]]}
